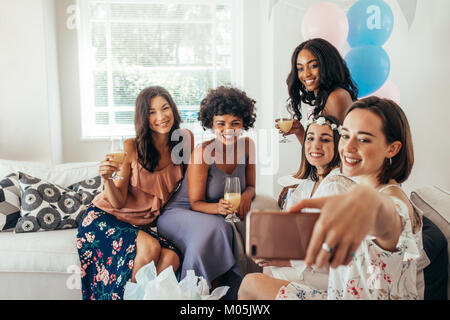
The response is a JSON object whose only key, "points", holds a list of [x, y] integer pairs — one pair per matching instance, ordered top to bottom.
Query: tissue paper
{"points": [[164, 286]]}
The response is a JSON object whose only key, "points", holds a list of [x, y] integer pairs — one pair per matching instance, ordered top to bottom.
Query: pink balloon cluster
{"points": [[327, 21]]}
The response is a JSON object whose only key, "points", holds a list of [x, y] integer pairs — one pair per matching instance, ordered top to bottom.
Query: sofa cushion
{"points": [[64, 174], [67, 174], [9, 202], [434, 203], [48, 206], [54, 251]]}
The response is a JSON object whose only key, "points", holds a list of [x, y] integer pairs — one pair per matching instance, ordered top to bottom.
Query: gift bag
{"points": [[164, 286]]}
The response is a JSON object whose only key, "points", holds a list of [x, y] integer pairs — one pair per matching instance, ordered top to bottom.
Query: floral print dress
{"points": [[107, 248], [374, 273]]}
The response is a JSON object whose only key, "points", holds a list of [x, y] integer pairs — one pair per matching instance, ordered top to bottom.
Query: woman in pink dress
{"points": [[114, 238]]}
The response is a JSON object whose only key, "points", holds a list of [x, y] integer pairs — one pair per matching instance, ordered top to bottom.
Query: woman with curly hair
{"points": [[320, 78], [195, 217]]}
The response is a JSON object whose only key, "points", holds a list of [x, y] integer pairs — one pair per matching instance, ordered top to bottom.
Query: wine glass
{"points": [[285, 120], [117, 154], [232, 194], [292, 198]]}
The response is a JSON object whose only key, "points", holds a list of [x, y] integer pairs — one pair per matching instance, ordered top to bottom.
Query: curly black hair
{"points": [[333, 71], [227, 100]]}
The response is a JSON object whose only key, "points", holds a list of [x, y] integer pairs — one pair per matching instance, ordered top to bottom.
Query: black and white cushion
{"points": [[88, 189], [9, 201], [47, 206]]}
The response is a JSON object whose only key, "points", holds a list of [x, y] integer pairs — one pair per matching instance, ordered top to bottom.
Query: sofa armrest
{"points": [[264, 202], [434, 204]]}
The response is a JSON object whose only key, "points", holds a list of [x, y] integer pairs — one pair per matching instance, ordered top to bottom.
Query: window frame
{"points": [[91, 131]]}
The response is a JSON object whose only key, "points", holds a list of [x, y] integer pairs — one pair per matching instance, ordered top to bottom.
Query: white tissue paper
{"points": [[150, 286]]}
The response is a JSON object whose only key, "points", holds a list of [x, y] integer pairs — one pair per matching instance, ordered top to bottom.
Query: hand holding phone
{"points": [[279, 235]]}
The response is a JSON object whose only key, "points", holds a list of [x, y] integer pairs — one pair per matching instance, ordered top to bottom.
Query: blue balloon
{"points": [[370, 22], [369, 67]]}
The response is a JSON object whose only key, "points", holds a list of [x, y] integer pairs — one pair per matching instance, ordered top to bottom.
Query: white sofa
{"points": [[45, 264]]}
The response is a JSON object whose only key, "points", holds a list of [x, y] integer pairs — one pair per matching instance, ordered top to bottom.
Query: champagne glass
{"points": [[285, 121], [117, 153], [232, 194], [292, 198], [288, 200]]}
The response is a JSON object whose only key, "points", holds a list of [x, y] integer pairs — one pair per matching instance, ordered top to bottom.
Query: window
{"points": [[185, 46]]}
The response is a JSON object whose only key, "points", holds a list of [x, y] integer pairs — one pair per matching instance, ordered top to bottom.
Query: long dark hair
{"points": [[333, 72], [395, 128], [147, 154], [306, 170]]}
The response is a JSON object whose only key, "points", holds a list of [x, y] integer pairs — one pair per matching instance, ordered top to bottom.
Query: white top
{"points": [[307, 112], [334, 183], [374, 273]]}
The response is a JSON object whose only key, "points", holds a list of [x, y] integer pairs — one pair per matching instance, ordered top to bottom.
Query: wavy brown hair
{"points": [[147, 154]]}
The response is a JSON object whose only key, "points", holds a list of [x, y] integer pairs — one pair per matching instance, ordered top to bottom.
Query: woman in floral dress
{"points": [[114, 238], [369, 238]]}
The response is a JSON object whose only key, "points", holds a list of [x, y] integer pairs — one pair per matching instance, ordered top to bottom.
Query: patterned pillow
{"points": [[88, 189], [9, 201], [47, 206]]}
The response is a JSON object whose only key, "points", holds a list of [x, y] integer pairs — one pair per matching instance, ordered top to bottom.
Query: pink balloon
{"points": [[327, 21], [388, 90]]}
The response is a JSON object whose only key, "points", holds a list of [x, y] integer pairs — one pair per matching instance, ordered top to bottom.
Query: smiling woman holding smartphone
{"points": [[370, 237]]}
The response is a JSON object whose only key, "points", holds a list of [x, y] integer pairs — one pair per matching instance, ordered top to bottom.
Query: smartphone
{"points": [[279, 235]]}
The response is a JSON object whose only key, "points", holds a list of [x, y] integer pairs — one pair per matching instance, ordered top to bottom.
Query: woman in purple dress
{"points": [[194, 219]]}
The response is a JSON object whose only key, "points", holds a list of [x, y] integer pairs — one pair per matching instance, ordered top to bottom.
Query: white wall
{"points": [[419, 67], [29, 95], [31, 127], [74, 148]]}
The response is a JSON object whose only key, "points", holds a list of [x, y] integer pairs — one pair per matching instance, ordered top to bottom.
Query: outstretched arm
{"points": [[344, 222]]}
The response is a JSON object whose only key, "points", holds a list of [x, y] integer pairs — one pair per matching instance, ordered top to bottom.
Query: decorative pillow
{"points": [[88, 189], [9, 201], [47, 206]]}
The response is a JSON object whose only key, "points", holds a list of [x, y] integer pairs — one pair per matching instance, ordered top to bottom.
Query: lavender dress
{"points": [[207, 241]]}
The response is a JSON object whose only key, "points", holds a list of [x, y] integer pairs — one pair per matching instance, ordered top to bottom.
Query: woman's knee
{"points": [[147, 248], [169, 258], [248, 288]]}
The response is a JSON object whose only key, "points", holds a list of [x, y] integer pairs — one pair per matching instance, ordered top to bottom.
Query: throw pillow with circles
{"points": [[88, 189], [47, 206]]}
